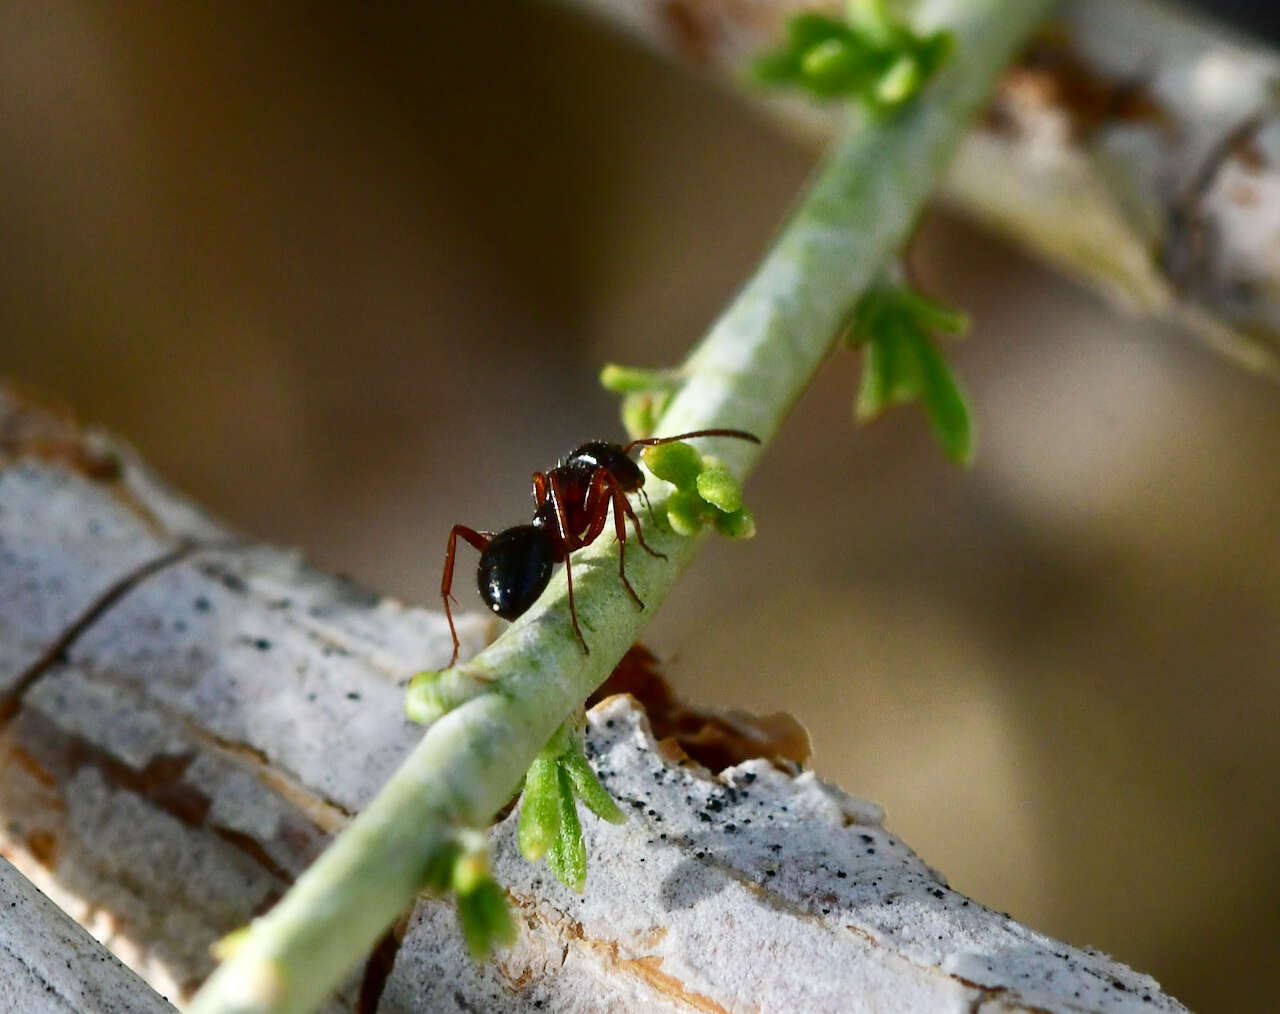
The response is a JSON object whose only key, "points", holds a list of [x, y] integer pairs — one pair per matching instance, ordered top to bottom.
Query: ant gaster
{"points": [[571, 505]]}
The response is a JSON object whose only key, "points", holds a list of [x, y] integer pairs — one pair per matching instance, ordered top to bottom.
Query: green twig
{"points": [[747, 374]]}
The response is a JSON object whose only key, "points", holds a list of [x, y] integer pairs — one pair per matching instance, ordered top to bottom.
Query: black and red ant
{"points": [[571, 505]]}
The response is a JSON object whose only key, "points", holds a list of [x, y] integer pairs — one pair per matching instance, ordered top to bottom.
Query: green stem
{"points": [[747, 373]]}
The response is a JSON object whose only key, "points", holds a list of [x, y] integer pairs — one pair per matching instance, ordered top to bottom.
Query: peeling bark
{"points": [[1135, 147], [191, 717]]}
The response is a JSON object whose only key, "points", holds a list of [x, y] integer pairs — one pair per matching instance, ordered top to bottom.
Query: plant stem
{"points": [[747, 373]]}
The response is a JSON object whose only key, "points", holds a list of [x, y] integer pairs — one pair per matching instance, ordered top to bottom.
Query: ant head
{"points": [[602, 454], [514, 569]]}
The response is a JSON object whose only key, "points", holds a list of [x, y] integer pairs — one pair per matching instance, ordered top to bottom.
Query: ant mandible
{"points": [[571, 504]]}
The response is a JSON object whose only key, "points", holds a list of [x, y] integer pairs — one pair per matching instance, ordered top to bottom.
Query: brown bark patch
{"points": [[1052, 75], [715, 739]]}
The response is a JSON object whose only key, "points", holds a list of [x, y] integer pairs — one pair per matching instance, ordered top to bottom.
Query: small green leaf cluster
{"points": [[867, 55], [902, 364], [645, 394], [706, 491], [549, 824], [463, 868]]}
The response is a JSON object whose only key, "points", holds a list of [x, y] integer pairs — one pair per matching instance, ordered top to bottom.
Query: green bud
{"points": [[872, 19], [869, 54], [827, 59], [899, 83], [634, 380], [638, 416], [679, 463], [717, 486], [686, 512], [741, 524], [433, 694], [423, 702], [469, 871]]}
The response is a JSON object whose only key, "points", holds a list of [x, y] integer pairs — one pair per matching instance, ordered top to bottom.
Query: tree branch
{"points": [[1135, 146], [191, 748]]}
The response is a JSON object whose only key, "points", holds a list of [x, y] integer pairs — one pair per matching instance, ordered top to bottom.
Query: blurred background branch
{"points": [[1136, 146]]}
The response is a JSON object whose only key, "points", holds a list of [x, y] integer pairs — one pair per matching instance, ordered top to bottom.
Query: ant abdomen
{"points": [[514, 569]]}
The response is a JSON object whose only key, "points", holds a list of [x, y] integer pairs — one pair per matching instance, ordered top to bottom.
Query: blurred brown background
{"points": [[347, 276]]}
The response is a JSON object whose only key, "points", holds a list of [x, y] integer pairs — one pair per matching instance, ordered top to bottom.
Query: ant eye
{"points": [[514, 569]]}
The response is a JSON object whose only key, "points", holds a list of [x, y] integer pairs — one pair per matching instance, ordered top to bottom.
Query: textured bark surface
{"points": [[1135, 147], [187, 718], [50, 965]]}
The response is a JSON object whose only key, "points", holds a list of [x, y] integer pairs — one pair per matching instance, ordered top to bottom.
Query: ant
{"points": [[571, 504]]}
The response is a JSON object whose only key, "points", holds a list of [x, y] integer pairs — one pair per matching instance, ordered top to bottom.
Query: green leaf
{"points": [[872, 19], [808, 29], [868, 55], [837, 67], [929, 313], [869, 315], [902, 363], [890, 372], [873, 389], [944, 403], [587, 787], [540, 809], [567, 857], [439, 876], [485, 918]]}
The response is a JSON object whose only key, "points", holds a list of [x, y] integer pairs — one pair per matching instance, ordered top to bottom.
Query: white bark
{"points": [[1158, 181], [218, 709], [49, 965]]}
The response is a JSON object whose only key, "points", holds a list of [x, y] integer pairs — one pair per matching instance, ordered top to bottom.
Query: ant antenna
{"points": [[652, 441]]}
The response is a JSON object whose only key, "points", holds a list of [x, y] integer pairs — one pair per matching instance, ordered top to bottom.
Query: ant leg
{"points": [[603, 481], [605, 484], [539, 489], [557, 501], [647, 505], [595, 507], [635, 521], [478, 539]]}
